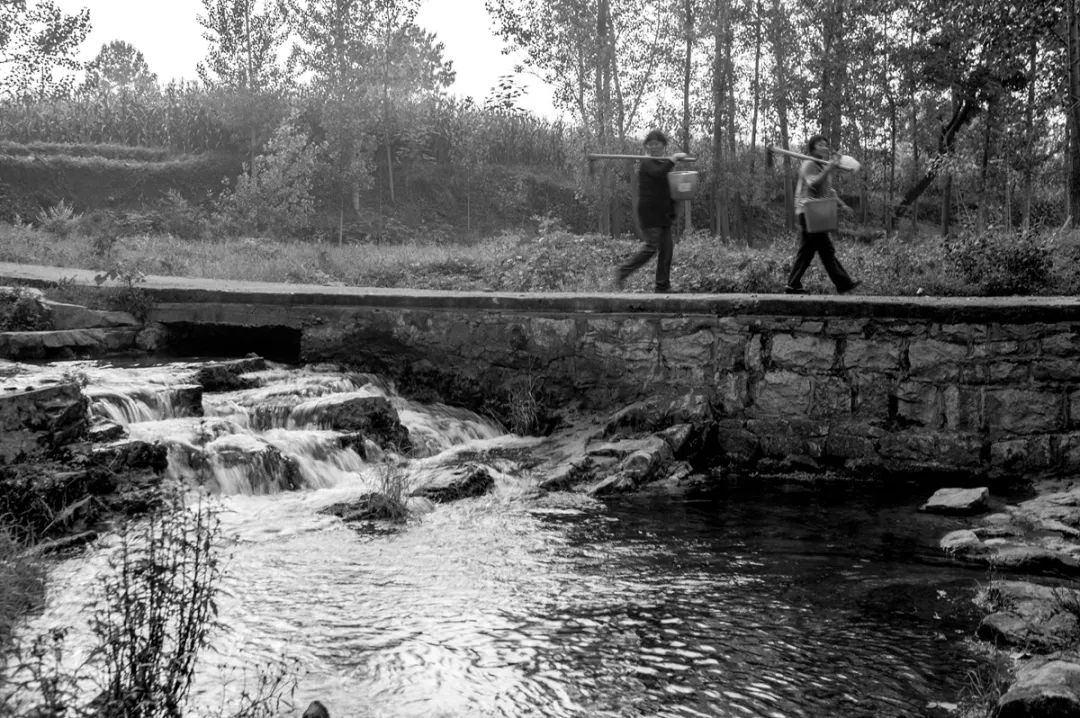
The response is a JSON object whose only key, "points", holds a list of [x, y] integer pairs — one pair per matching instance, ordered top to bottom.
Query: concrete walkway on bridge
{"points": [[230, 291]]}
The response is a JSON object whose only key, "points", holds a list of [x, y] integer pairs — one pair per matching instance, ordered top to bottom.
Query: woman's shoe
{"points": [[794, 290]]}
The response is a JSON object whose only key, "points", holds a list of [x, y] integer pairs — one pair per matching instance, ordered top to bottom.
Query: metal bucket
{"points": [[683, 184], [820, 215]]}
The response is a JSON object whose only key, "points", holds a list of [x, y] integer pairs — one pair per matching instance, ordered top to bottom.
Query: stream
{"points": [[764, 599]]}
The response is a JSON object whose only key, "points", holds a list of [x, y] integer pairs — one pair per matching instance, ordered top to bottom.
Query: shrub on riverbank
{"points": [[555, 260], [152, 617]]}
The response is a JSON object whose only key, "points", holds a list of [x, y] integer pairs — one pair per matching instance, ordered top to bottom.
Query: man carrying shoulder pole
{"points": [[654, 212]]}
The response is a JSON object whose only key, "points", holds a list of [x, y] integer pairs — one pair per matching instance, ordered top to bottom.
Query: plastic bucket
{"points": [[683, 184], [820, 215]]}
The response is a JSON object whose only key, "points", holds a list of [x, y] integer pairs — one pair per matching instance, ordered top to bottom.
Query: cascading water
{"points": [[753, 600]]}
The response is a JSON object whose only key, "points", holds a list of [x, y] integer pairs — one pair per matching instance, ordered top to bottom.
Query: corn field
{"points": [[187, 118]]}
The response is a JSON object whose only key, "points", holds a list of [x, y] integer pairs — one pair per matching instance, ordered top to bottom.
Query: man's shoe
{"points": [[852, 288], [794, 290]]}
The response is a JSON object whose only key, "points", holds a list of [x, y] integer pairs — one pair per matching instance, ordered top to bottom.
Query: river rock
{"points": [[75, 316], [67, 343], [229, 375], [659, 413], [373, 416], [35, 419], [104, 431], [132, 455], [646, 463], [566, 474], [450, 483], [614, 484], [958, 501], [373, 506], [1061, 506], [1008, 554], [1037, 618], [1044, 688]]}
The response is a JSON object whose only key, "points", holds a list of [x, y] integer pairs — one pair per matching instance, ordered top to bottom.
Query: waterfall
{"points": [[296, 429]]}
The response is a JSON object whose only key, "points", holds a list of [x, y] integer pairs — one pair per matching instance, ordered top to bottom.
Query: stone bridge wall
{"points": [[982, 386], [988, 387]]}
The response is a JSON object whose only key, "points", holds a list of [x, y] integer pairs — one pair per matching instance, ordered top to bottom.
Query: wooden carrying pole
{"points": [[601, 156], [848, 164]]}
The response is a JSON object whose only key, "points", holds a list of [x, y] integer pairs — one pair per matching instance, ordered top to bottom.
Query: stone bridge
{"points": [[980, 386]]}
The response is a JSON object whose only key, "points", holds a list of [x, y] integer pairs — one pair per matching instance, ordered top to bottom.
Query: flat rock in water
{"points": [[958, 501]]}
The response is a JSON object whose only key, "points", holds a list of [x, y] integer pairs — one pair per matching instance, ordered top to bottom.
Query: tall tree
{"points": [[36, 42], [244, 45], [335, 50], [976, 51], [599, 56], [407, 61], [119, 67], [244, 67]]}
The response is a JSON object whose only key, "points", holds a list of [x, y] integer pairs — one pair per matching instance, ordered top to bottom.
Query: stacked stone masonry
{"points": [[972, 385], [852, 393]]}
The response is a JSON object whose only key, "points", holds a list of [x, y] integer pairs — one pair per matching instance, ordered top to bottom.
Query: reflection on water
{"points": [[768, 601], [755, 602]]}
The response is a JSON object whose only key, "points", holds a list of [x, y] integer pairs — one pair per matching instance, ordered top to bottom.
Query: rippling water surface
{"points": [[754, 600], [758, 602]]}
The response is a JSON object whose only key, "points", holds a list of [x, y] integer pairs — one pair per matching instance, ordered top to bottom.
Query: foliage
{"points": [[37, 39], [244, 44], [119, 67], [275, 194], [179, 218], [59, 220], [1000, 263], [130, 298], [20, 311], [523, 406], [393, 490], [22, 584], [159, 605], [152, 616], [986, 683]]}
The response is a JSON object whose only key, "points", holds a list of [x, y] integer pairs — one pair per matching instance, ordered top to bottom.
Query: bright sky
{"points": [[170, 38]]}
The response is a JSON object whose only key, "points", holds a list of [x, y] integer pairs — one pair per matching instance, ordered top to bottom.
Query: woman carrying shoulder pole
{"points": [[815, 182]]}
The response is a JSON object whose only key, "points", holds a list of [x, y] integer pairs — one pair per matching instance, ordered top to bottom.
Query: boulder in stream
{"points": [[229, 375], [356, 412], [34, 419], [442, 484], [1044, 688]]}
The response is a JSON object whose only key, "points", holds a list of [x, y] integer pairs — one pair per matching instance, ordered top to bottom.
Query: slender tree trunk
{"points": [[777, 21], [688, 58], [834, 71], [756, 86], [1072, 109], [603, 110], [1029, 139], [984, 170], [718, 191], [946, 204]]}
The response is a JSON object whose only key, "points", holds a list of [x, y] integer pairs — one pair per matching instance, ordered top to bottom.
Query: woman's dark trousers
{"points": [[811, 243]]}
